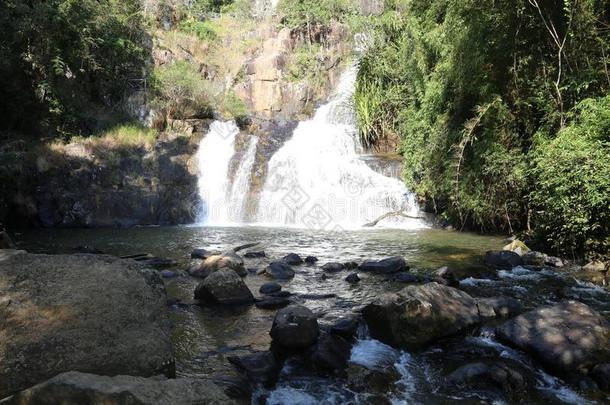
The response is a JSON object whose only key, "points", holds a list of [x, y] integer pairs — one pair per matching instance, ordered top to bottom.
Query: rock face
{"points": [[502, 259], [216, 262], [385, 266], [280, 270], [224, 287], [88, 313], [419, 314], [295, 327], [565, 337], [74, 388]]}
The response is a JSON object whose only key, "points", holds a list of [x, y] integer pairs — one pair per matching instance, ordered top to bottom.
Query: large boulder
{"points": [[293, 259], [502, 259], [217, 262], [385, 266], [333, 267], [280, 271], [224, 287], [498, 307], [90, 313], [418, 314], [295, 327], [566, 337], [331, 354], [260, 367], [501, 375], [75, 388]]}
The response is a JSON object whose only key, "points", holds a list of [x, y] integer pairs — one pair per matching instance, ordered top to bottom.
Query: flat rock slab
{"points": [[91, 313], [418, 314], [566, 337], [74, 388]]}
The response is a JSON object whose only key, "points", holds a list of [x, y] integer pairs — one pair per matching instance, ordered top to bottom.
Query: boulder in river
{"points": [[201, 253], [255, 255], [534, 258], [293, 259], [502, 259], [311, 260], [217, 262], [385, 266], [333, 267], [280, 270], [406, 277], [352, 278], [224, 287], [269, 288], [270, 302], [498, 307], [85, 312], [418, 314], [295, 327], [345, 327], [567, 337], [331, 354], [260, 368], [491, 375], [75, 388]]}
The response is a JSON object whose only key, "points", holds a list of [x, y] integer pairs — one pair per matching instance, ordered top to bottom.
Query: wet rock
{"points": [[200, 253], [254, 255], [534, 258], [293, 259], [502, 259], [311, 260], [553, 261], [217, 262], [350, 265], [385, 266], [333, 267], [280, 270], [169, 274], [448, 275], [454, 276], [404, 277], [352, 278], [224, 287], [269, 288], [282, 293], [271, 302], [498, 307], [88, 312], [418, 314], [295, 327], [345, 327], [566, 337], [330, 354], [260, 368], [498, 375], [601, 375], [372, 380], [75, 388]]}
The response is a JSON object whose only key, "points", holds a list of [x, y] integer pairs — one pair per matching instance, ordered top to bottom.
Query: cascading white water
{"points": [[316, 180], [241, 183]]}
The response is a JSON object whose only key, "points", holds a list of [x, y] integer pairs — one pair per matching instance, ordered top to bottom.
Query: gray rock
{"points": [[201, 253], [255, 255], [534, 258], [293, 259], [502, 259], [311, 260], [553, 261], [350, 265], [385, 266], [333, 267], [280, 270], [404, 277], [352, 278], [224, 287], [269, 288], [272, 302], [498, 307], [85, 312], [418, 314], [295, 327], [345, 327], [566, 337], [330, 354], [260, 368], [499, 375], [75, 388]]}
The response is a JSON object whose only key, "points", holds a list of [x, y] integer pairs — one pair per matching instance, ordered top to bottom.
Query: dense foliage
{"points": [[63, 60], [487, 98]]}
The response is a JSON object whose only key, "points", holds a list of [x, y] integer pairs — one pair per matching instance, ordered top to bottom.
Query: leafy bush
{"points": [[308, 16], [202, 29], [181, 90], [571, 191]]}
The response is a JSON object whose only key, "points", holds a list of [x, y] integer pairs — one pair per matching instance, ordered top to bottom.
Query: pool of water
{"points": [[204, 336]]}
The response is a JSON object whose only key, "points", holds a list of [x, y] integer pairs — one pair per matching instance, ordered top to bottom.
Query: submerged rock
{"points": [[201, 253], [255, 255], [293, 259], [502, 259], [311, 260], [217, 262], [350, 265], [385, 266], [333, 267], [280, 270], [405, 277], [352, 278], [224, 287], [269, 288], [271, 302], [87, 312], [418, 314], [295, 327], [345, 327], [566, 337], [260, 368], [75, 388]]}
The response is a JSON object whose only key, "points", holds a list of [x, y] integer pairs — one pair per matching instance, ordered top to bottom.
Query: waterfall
{"points": [[318, 181], [241, 183]]}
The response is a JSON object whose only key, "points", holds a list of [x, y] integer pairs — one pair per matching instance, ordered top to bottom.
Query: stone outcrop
{"points": [[91, 313], [418, 314], [567, 337], [74, 388]]}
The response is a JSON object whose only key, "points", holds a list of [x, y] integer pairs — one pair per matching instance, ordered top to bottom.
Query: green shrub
{"points": [[306, 15], [202, 29], [181, 90], [571, 183]]}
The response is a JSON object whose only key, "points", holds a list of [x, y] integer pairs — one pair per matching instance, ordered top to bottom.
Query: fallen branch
{"points": [[389, 215], [246, 246]]}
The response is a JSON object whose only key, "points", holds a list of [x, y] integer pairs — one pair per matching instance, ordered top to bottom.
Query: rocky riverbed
{"points": [[299, 317]]}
